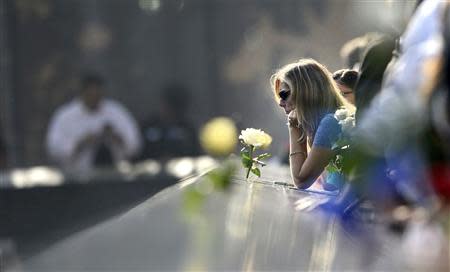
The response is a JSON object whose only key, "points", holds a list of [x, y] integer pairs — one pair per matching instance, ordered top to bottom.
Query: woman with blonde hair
{"points": [[310, 97]]}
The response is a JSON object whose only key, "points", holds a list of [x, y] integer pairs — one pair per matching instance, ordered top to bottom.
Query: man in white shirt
{"points": [[79, 130]]}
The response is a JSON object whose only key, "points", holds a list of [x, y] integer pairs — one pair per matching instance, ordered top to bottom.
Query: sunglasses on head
{"points": [[284, 94]]}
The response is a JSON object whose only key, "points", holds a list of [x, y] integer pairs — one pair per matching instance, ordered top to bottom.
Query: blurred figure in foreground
{"points": [[346, 80], [399, 113], [411, 115], [92, 131], [169, 133], [438, 134]]}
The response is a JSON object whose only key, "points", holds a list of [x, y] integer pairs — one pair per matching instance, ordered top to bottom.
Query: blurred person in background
{"points": [[352, 52], [376, 58], [346, 80], [310, 97], [407, 124], [92, 130], [169, 133], [414, 194]]}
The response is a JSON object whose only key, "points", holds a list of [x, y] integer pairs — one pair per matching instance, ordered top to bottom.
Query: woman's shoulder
{"points": [[329, 120], [327, 132]]}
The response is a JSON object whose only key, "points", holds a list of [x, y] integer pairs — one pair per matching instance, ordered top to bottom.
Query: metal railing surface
{"points": [[253, 226]]}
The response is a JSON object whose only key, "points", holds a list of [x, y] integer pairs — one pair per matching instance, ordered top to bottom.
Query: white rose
{"points": [[341, 114], [347, 124], [256, 138]]}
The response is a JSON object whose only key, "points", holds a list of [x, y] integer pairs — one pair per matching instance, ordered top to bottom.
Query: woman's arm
{"points": [[297, 153], [312, 167], [305, 168]]}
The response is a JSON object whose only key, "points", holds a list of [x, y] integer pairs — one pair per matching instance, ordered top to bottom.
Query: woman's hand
{"points": [[292, 119]]}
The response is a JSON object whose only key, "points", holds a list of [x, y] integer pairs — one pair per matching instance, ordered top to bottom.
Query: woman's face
{"points": [[347, 93], [286, 98]]}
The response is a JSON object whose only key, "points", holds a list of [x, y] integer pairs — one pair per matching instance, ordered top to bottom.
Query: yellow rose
{"points": [[218, 136], [256, 138]]}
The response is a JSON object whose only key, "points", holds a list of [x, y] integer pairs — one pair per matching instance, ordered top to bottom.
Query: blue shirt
{"points": [[328, 132], [326, 136]]}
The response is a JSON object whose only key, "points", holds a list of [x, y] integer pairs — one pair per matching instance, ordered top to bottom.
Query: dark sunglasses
{"points": [[284, 94]]}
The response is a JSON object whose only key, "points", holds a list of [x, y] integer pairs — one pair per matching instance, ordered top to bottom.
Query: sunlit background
{"points": [[222, 51]]}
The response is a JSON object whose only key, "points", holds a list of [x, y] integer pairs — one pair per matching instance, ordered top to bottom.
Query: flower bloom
{"points": [[341, 114], [347, 124], [218, 136], [256, 138]]}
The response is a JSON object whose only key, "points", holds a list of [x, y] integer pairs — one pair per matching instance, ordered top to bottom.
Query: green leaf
{"points": [[343, 141], [245, 149], [245, 152], [246, 156], [263, 156], [247, 162], [331, 168], [256, 171], [215, 176], [221, 177], [193, 200]]}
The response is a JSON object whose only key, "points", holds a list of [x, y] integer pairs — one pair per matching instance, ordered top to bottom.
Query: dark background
{"points": [[223, 51]]}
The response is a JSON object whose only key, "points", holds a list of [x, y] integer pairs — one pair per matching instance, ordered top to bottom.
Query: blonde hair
{"points": [[314, 91]]}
